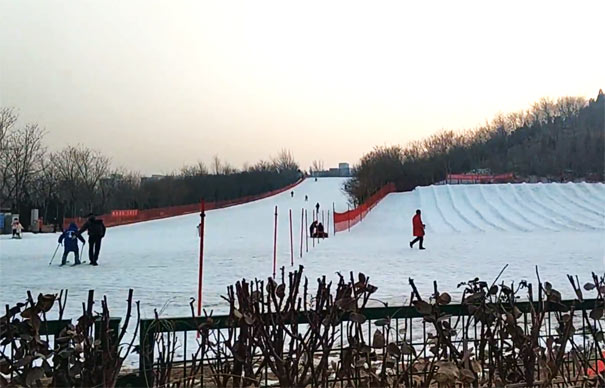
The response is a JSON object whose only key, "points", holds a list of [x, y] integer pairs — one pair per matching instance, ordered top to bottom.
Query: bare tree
{"points": [[567, 107], [544, 110], [8, 118], [21, 159], [284, 161], [216, 165], [316, 165], [196, 169], [228, 169], [81, 170], [46, 186]]}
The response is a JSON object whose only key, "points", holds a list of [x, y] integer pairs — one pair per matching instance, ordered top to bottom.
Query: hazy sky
{"points": [[155, 85]]}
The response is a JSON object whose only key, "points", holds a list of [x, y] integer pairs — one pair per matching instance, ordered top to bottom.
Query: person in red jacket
{"points": [[418, 227]]}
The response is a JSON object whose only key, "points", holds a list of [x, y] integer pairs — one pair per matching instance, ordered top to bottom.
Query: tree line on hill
{"points": [[553, 138], [77, 180]]}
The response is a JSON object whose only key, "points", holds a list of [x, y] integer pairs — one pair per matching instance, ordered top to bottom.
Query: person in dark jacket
{"points": [[313, 228], [418, 229], [320, 231], [96, 232], [69, 239]]}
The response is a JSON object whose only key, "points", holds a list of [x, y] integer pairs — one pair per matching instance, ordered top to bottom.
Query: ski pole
{"points": [[51, 260]]}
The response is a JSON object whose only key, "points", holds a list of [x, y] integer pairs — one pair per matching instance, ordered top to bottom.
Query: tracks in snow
{"points": [[512, 207]]}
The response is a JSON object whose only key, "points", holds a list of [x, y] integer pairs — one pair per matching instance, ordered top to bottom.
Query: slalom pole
{"points": [[333, 219], [322, 222], [302, 226], [328, 226], [306, 232], [313, 238], [291, 242], [275, 244], [52, 258], [201, 270]]}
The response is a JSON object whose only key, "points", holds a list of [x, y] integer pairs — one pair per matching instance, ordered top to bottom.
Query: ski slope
{"points": [[472, 230], [475, 230], [159, 259]]}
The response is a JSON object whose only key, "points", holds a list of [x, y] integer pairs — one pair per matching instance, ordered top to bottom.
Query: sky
{"points": [[158, 84]]}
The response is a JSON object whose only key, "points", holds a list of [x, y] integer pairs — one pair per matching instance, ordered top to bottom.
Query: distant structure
{"points": [[343, 170], [153, 178]]}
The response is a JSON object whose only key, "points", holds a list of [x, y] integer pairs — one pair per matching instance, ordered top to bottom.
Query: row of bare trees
{"points": [[551, 138], [30, 174], [76, 180]]}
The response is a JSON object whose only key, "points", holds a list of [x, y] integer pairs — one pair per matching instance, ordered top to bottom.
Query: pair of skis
{"points": [[73, 265]]}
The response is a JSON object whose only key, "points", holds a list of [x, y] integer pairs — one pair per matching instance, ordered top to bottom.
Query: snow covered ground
{"points": [[472, 230]]}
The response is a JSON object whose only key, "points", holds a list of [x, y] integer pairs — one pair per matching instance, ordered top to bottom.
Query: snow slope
{"points": [[472, 230], [159, 258]]}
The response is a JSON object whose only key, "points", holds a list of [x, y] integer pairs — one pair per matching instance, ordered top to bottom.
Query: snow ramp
{"points": [[493, 208], [473, 230]]}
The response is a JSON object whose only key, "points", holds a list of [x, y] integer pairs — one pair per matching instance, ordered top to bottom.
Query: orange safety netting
{"points": [[130, 216], [344, 221]]}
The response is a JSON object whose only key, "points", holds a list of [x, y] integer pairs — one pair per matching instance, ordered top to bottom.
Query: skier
{"points": [[292, 194], [306, 198], [317, 209], [418, 227], [17, 228], [96, 232], [71, 237]]}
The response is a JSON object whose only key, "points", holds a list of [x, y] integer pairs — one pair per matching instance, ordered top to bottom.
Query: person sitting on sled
{"points": [[320, 231], [71, 237]]}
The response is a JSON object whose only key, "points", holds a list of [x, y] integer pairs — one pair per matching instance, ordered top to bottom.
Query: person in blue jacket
{"points": [[71, 237]]}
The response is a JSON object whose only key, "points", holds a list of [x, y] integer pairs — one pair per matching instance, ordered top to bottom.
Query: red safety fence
{"points": [[130, 216], [344, 221]]}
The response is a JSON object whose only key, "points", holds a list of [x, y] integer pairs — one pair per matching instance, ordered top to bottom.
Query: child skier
{"points": [[17, 228], [71, 237]]}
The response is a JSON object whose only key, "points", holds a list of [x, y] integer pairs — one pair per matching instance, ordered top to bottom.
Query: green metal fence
{"points": [[409, 325]]}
